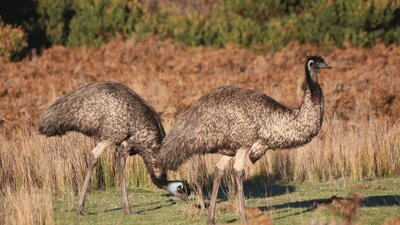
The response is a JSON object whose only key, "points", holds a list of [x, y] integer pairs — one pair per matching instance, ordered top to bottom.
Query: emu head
{"points": [[313, 64], [179, 189]]}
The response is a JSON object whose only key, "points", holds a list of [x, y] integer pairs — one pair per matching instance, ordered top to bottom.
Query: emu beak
{"points": [[324, 66], [183, 196]]}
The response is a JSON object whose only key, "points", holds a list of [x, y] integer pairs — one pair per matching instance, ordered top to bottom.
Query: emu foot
{"points": [[80, 211], [128, 211], [210, 222]]}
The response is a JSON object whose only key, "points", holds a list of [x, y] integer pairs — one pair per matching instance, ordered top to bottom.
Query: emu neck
{"points": [[309, 117], [157, 175], [160, 181]]}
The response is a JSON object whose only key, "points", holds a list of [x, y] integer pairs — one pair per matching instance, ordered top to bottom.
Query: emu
{"points": [[115, 115], [239, 123]]}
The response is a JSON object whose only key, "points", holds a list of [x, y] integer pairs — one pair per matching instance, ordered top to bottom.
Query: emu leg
{"points": [[94, 155], [121, 157], [238, 167], [219, 172], [240, 194]]}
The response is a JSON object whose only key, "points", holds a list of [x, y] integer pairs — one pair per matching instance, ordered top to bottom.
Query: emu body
{"points": [[115, 115], [240, 123]]}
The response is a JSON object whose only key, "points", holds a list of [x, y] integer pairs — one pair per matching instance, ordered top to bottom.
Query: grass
{"points": [[367, 151], [36, 169], [286, 203], [26, 206]]}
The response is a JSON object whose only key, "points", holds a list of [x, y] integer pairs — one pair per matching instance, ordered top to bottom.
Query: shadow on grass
{"points": [[254, 187], [381, 200], [371, 201], [310, 205], [157, 206]]}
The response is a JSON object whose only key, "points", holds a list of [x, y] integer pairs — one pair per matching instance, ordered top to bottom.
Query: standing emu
{"points": [[115, 115], [240, 123]]}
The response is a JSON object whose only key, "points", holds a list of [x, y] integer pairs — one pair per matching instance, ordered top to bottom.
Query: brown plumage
{"points": [[115, 115], [239, 123]]}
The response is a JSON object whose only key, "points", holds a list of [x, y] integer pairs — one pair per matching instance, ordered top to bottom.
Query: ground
{"points": [[286, 203]]}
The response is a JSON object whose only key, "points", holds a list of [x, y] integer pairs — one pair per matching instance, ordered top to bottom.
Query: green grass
{"points": [[287, 203]]}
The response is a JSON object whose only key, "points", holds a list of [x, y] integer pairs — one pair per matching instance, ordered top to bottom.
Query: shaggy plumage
{"points": [[107, 111], [115, 115], [229, 119]]}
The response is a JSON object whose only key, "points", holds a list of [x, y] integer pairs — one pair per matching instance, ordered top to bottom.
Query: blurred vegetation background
{"points": [[256, 24]]}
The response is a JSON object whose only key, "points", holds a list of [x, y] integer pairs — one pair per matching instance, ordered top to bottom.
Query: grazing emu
{"points": [[115, 115], [240, 123]]}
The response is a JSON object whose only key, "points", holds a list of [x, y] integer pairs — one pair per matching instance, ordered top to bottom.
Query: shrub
{"points": [[54, 18], [95, 22], [150, 24], [251, 24], [273, 24], [226, 26], [185, 30], [12, 41]]}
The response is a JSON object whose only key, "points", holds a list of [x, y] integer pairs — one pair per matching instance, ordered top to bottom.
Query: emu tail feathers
{"points": [[52, 121], [49, 125]]}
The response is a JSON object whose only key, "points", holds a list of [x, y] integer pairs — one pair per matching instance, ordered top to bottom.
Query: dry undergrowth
{"points": [[362, 86]]}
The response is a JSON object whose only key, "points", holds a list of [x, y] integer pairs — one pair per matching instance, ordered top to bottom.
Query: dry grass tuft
{"points": [[26, 206], [346, 208], [256, 216]]}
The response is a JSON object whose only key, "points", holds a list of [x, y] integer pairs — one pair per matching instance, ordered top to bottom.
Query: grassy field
{"points": [[36, 170], [285, 203]]}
